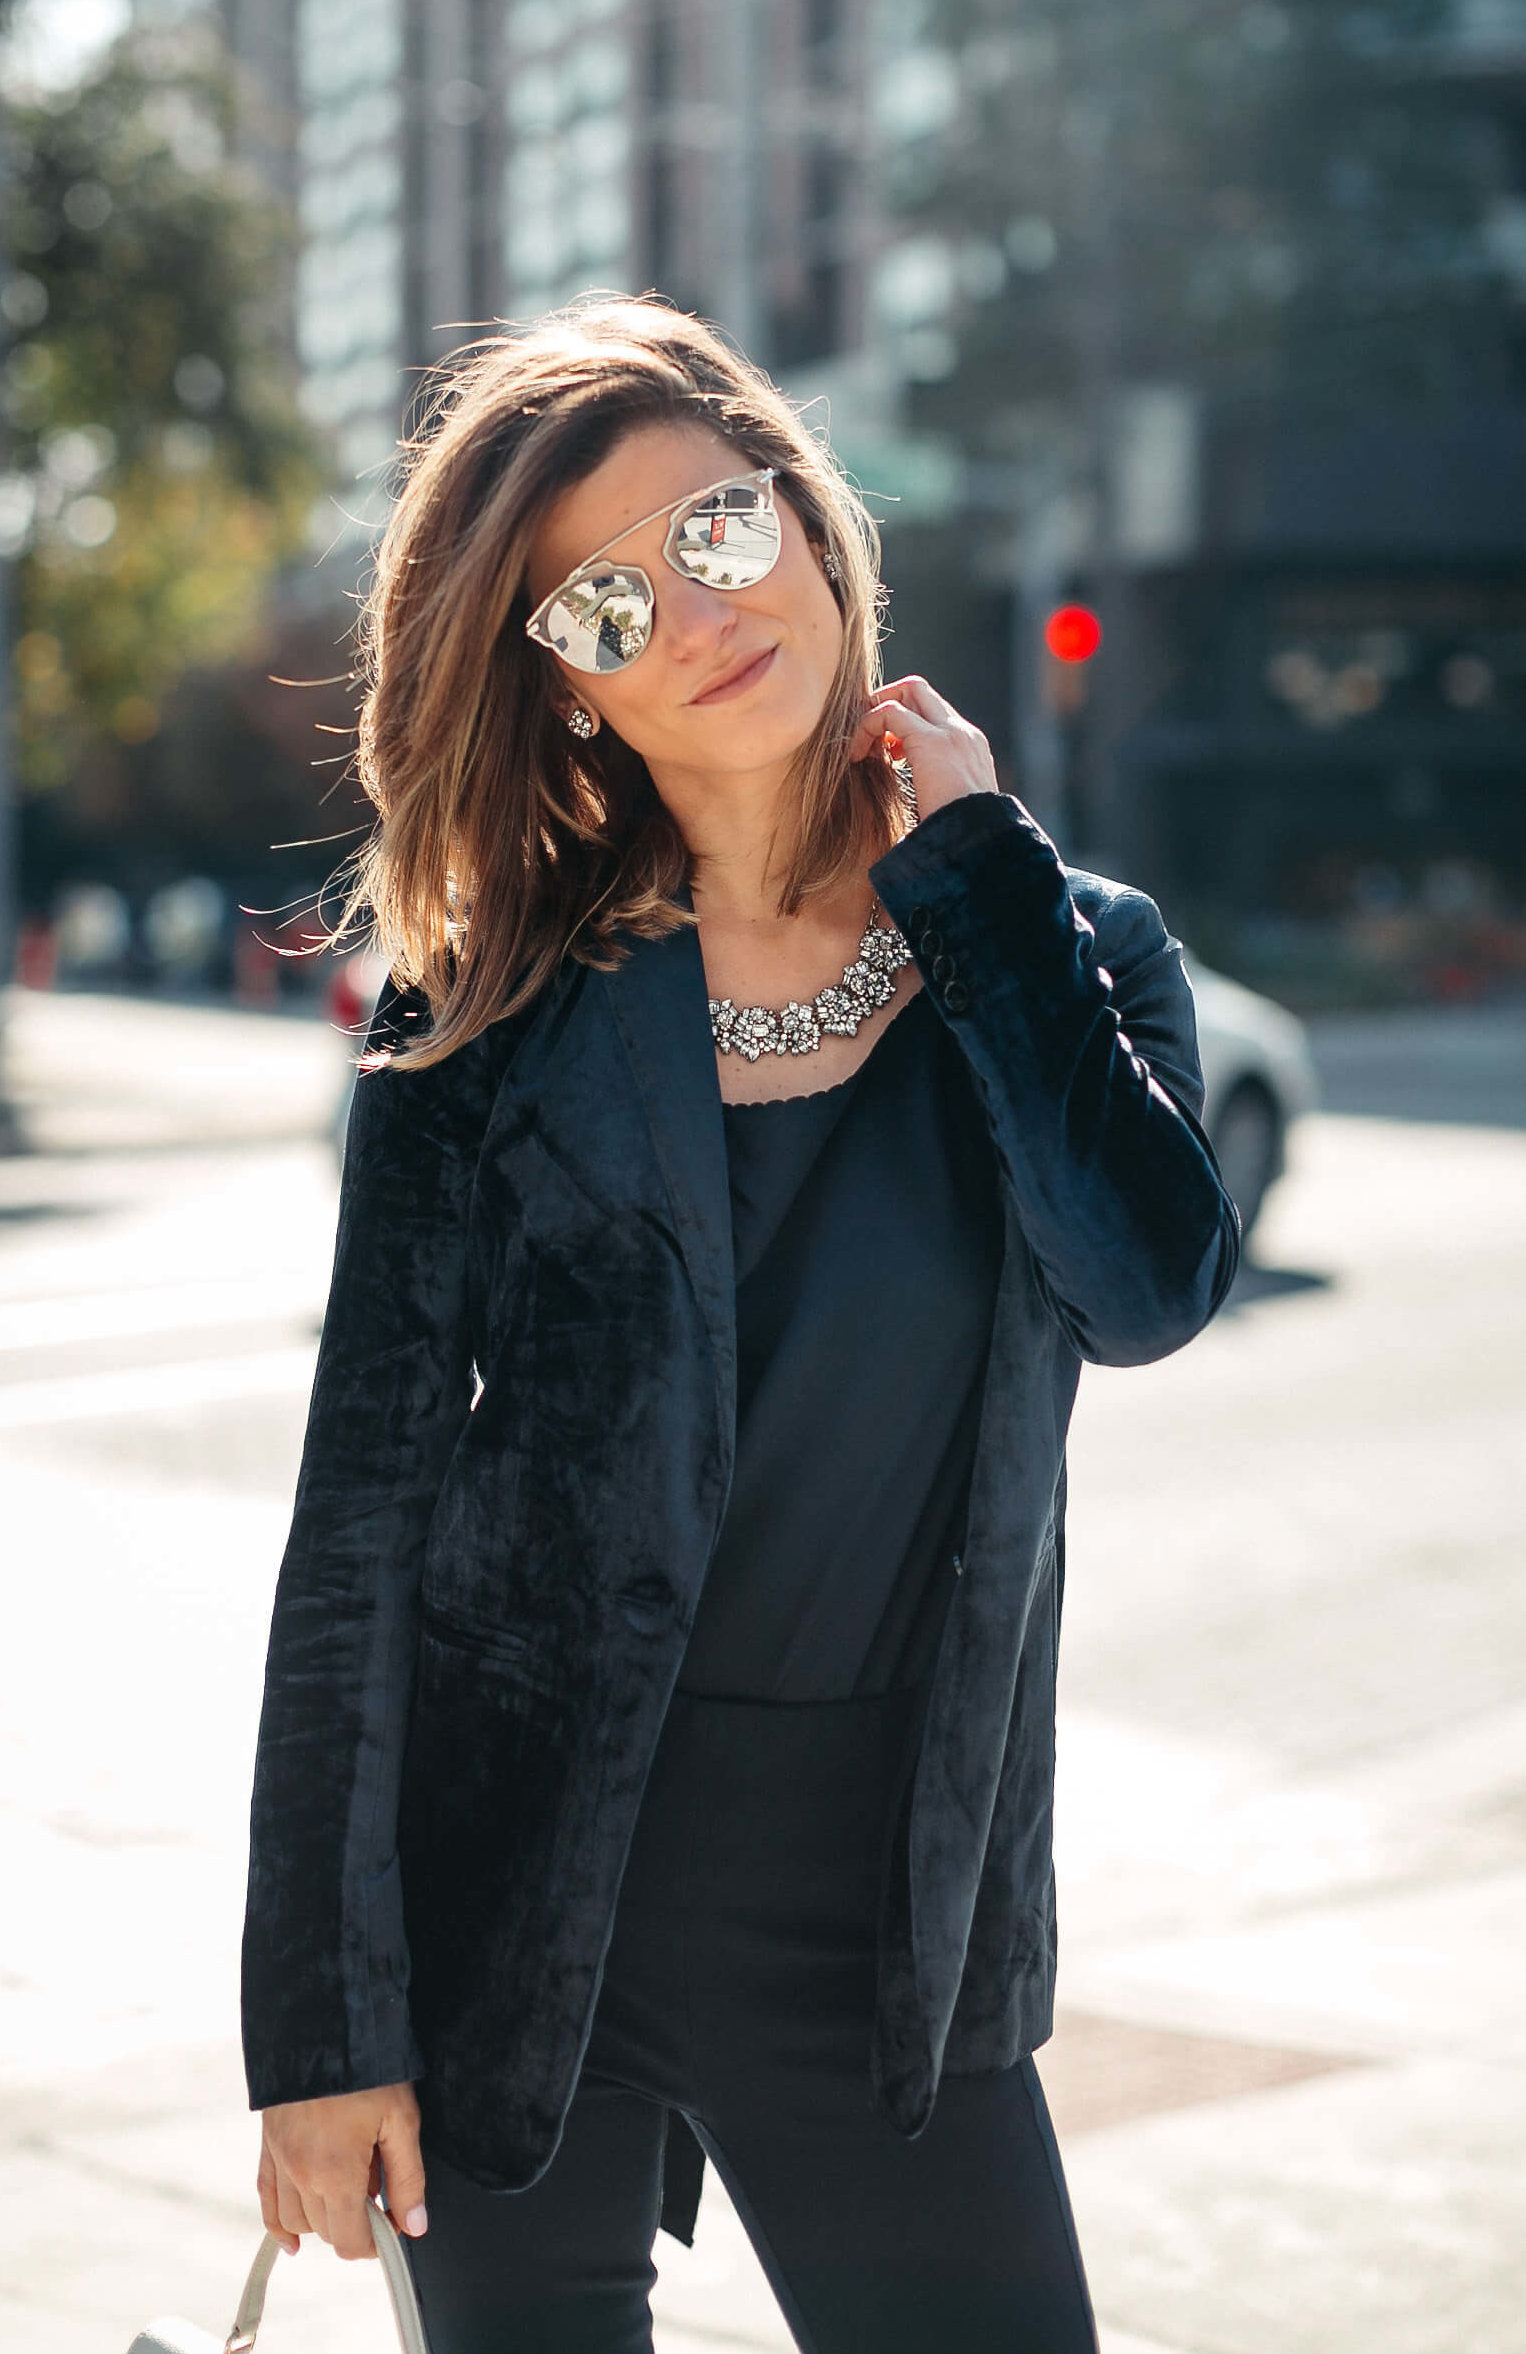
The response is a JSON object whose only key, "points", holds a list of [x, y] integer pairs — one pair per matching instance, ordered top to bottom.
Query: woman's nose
{"points": [[694, 619]]}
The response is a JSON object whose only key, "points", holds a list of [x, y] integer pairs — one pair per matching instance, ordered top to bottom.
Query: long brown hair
{"points": [[504, 844]]}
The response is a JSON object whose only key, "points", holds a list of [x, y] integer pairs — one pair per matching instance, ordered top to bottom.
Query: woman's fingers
{"points": [[919, 695], [891, 718], [904, 719], [949, 758], [398, 2141], [270, 2214], [292, 2215], [337, 2215], [347, 2226]]}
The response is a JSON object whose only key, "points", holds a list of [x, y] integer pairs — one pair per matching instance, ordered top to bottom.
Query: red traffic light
{"points": [[1073, 633]]}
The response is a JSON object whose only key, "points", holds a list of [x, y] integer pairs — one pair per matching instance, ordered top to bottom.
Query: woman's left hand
{"points": [[948, 757]]}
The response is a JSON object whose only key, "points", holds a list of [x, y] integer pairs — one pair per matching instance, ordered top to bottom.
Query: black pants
{"points": [[739, 1989]]}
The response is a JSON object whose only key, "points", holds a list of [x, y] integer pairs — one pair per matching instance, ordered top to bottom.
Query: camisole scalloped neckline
{"points": [[779, 1103]]}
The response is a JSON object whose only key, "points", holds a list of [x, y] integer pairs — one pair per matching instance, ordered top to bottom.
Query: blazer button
{"points": [[921, 917], [931, 943], [944, 969], [956, 997]]}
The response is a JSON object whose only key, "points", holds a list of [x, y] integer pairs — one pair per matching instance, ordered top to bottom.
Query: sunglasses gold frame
{"points": [[679, 509]]}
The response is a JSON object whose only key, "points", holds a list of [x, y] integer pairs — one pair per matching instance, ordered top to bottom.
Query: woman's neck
{"points": [[738, 836]]}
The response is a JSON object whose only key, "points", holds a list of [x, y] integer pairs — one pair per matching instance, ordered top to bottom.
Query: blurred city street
{"points": [[1290, 2078]]}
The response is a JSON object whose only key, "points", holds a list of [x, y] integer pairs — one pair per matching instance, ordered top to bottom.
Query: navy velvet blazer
{"points": [[517, 1460]]}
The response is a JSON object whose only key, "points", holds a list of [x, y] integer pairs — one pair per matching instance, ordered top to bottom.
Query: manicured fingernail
{"points": [[416, 2222]]}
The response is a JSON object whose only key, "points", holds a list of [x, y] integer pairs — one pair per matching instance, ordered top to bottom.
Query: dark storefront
{"points": [[1330, 778]]}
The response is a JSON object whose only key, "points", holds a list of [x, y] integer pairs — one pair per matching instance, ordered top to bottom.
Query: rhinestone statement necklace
{"points": [[834, 1012]]}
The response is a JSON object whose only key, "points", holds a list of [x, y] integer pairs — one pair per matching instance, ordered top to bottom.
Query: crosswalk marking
{"points": [[139, 1310], [196, 1381]]}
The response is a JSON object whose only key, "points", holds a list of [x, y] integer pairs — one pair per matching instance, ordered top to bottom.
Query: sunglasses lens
{"points": [[730, 539], [601, 620]]}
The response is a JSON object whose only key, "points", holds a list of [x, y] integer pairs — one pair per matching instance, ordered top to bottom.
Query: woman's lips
{"points": [[739, 681]]}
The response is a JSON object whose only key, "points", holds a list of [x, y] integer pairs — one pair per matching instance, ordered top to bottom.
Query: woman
{"points": [[658, 1738]]}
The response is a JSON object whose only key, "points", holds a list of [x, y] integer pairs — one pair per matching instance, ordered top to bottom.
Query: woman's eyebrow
{"points": [[643, 520], [639, 525]]}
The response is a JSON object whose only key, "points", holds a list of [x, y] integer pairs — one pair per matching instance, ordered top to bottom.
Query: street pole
{"points": [[735, 185], [1031, 496], [1040, 556], [1038, 747]]}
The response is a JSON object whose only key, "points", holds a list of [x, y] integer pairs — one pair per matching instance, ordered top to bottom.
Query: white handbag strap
{"points": [[394, 2264]]}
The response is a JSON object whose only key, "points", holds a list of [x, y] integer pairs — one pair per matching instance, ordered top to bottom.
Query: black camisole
{"points": [[868, 1234]]}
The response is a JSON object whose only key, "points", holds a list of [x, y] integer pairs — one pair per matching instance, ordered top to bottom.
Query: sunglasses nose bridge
{"points": [[688, 607]]}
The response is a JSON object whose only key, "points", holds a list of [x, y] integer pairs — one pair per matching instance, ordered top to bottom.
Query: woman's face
{"points": [[730, 679]]}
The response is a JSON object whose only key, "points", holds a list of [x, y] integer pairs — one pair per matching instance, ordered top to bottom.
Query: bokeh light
{"points": [[1073, 633]]}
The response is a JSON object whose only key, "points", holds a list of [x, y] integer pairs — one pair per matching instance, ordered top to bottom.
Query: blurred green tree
{"points": [[158, 472]]}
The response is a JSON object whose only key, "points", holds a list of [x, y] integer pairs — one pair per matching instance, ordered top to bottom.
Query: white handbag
{"points": [[183, 2337]]}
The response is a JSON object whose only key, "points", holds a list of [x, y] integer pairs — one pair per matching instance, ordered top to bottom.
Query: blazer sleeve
{"points": [[1081, 1032], [325, 1962]]}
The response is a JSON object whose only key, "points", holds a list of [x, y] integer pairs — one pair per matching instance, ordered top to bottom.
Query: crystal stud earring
{"points": [[830, 566], [581, 722]]}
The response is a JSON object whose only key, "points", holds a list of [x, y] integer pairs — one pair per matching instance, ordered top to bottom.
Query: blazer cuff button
{"points": [[956, 997]]}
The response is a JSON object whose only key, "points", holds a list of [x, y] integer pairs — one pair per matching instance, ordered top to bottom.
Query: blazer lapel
{"points": [[659, 1001]]}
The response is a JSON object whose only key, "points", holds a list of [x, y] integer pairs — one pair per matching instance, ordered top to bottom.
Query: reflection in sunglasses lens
{"points": [[730, 541], [602, 621]]}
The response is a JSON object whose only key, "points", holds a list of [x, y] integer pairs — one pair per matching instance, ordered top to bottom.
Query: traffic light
{"points": [[1073, 633]]}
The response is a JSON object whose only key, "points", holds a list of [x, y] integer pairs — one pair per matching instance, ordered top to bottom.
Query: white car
{"points": [[1258, 1077]]}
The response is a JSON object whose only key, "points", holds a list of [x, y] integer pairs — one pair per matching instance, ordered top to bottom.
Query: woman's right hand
{"points": [[321, 2160]]}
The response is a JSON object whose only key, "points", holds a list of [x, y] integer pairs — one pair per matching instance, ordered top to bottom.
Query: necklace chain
{"points": [[867, 984]]}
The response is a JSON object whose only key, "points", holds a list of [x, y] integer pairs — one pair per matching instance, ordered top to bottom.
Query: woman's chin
{"points": [[767, 729], [761, 739]]}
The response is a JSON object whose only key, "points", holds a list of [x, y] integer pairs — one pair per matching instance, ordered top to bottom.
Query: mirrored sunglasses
{"points": [[602, 616]]}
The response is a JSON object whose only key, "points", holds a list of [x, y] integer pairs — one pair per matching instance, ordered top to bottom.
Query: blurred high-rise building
{"points": [[262, 41], [458, 162]]}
